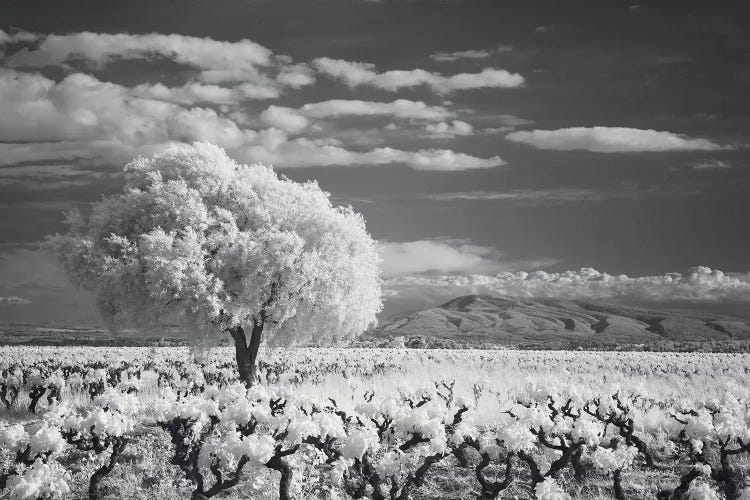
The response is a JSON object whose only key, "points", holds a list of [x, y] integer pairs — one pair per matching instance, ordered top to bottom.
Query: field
{"points": [[165, 422]]}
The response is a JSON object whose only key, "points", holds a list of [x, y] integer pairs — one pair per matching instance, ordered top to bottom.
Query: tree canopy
{"points": [[217, 245]]}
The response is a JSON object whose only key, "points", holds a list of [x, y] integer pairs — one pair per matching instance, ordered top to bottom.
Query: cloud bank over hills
{"points": [[699, 285]]}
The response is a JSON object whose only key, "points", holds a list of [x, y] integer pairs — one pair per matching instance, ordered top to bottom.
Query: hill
{"points": [[479, 320]]}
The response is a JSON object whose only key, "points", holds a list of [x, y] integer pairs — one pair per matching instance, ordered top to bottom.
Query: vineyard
{"points": [[377, 424]]}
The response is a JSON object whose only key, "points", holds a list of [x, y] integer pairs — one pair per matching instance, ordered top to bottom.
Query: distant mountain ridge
{"points": [[483, 319]]}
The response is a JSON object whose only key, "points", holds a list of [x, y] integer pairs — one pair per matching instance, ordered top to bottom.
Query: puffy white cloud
{"points": [[103, 48], [243, 62], [355, 74], [296, 76], [196, 92], [80, 107], [400, 108], [83, 117], [286, 119], [295, 120], [449, 130], [610, 140], [303, 152], [442, 159], [442, 256], [699, 284], [13, 300]]}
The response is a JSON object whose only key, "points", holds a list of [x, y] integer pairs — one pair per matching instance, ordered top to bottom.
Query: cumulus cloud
{"points": [[99, 49], [243, 64], [355, 74], [296, 76], [195, 92], [80, 107], [400, 108], [83, 117], [286, 119], [295, 120], [449, 130], [611, 140], [303, 152], [444, 256], [416, 257], [699, 284], [12, 300]]}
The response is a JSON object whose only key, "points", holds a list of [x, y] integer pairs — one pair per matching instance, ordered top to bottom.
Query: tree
{"points": [[224, 248]]}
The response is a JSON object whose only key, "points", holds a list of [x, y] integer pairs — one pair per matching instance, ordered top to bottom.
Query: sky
{"points": [[576, 149]]}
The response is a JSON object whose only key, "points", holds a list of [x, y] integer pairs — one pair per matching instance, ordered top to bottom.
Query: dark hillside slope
{"points": [[480, 319]]}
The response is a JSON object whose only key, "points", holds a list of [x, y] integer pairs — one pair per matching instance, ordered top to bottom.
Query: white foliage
{"points": [[197, 236], [588, 430], [13, 437], [517, 437], [46, 439], [358, 442], [610, 460], [40, 480], [550, 490], [702, 491]]}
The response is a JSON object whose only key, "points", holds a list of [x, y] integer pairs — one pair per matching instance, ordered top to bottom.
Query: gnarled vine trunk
{"points": [[246, 353]]}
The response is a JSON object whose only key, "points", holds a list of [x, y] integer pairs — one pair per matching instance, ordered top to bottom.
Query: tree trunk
{"points": [[246, 353], [117, 448]]}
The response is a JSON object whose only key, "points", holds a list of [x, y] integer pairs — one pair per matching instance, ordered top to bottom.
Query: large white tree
{"points": [[225, 248]]}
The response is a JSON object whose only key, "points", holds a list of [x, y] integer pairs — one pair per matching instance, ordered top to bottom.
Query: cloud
{"points": [[16, 37], [461, 54], [468, 54], [214, 57], [244, 62], [355, 74], [296, 76], [195, 92], [80, 107], [401, 108], [81, 117], [286, 119], [449, 130], [611, 140], [303, 152], [711, 164], [52, 176], [524, 196], [559, 196], [444, 256], [699, 284], [12, 300]]}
